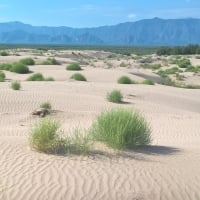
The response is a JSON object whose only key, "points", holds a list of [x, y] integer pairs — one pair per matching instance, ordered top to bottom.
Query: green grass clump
{"points": [[4, 53], [27, 61], [50, 61], [184, 63], [122, 64], [6, 66], [151, 66], [73, 67], [19, 68], [193, 69], [166, 72], [2, 76], [36, 77], [78, 77], [49, 79], [124, 80], [148, 82], [15, 85], [115, 96], [45, 105], [121, 128], [46, 137]]}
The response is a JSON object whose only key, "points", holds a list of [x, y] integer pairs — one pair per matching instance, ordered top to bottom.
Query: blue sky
{"points": [[88, 13]]}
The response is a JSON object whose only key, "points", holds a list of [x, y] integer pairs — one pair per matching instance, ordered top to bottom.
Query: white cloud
{"points": [[131, 16]]}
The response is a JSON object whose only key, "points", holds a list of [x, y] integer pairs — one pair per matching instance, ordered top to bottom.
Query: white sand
{"points": [[168, 170]]}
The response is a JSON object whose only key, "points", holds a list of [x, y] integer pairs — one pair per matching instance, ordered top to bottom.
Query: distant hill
{"points": [[148, 32]]}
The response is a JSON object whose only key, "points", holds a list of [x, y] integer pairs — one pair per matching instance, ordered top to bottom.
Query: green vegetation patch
{"points": [[73, 67], [78, 77], [115, 96], [120, 128]]}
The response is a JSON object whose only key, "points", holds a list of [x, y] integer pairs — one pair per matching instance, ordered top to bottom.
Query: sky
{"points": [[90, 13]]}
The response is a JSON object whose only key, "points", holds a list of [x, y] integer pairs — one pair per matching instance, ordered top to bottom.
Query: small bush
{"points": [[4, 53], [27, 61], [50, 61], [184, 63], [122, 64], [5, 66], [151, 66], [73, 67], [19, 68], [193, 69], [172, 70], [2, 76], [36, 77], [78, 77], [49, 79], [124, 80], [148, 82], [15, 85], [115, 96], [45, 105], [121, 128], [45, 137]]}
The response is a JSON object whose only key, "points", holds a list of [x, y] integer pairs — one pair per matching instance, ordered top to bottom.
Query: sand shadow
{"points": [[157, 150]]}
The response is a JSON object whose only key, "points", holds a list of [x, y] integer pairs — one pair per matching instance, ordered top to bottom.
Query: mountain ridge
{"points": [[146, 32]]}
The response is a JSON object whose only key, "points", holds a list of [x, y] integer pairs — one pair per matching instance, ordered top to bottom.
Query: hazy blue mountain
{"points": [[144, 32]]}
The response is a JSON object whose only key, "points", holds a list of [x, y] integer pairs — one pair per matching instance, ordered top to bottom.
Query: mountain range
{"points": [[147, 32]]}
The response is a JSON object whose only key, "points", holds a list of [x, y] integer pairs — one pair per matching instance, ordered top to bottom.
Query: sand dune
{"points": [[167, 170]]}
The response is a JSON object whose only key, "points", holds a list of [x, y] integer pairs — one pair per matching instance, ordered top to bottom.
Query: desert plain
{"points": [[168, 169]]}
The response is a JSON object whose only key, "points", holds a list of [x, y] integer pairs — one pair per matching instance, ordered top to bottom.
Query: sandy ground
{"points": [[167, 170]]}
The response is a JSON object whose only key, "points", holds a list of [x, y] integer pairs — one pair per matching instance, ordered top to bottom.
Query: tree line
{"points": [[179, 50]]}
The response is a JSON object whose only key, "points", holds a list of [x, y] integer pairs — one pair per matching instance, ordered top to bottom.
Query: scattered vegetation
{"points": [[50, 61], [184, 63], [6, 66], [151, 66], [73, 67], [166, 72], [2, 76], [39, 77], [78, 77], [148, 82], [15, 85], [115, 96], [121, 128]]}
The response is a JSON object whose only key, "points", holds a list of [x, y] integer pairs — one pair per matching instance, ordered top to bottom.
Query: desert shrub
{"points": [[4, 53], [27, 61], [50, 61], [184, 63], [122, 64], [6, 66], [151, 66], [73, 67], [19, 68], [193, 69], [172, 70], [2, 76], [36, 77], [78, 77], [179, 77], [49, 79], [124, 80], [168, 81], [148, 82], [15, 85], [115, 96], [45, 105], [121, 128], [46, 137]]}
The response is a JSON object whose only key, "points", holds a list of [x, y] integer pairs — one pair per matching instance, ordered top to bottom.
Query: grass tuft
{"points": [[73, 67], [78, 77], [124, 80], [15, 85], [115, 96], [121, 128]]}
